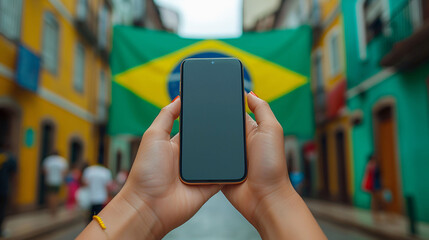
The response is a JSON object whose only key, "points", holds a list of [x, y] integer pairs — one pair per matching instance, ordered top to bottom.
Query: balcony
{"points": [[86, 23], [94, 28], [407, 36]]}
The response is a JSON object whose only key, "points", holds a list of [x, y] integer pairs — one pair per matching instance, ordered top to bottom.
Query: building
{"points": [[271, 15], [54, 84], [370, 86], [329, 88], [387, 96], [123, 148]]}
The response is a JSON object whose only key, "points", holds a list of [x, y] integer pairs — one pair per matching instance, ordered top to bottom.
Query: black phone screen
{"points": [[212, 127]]}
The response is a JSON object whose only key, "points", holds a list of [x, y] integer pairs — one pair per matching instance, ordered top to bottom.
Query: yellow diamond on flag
{"points": [[150, 80]]}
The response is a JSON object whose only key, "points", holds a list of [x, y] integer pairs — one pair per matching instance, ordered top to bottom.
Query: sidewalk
{"points": [[33, 224], [390, 226]]}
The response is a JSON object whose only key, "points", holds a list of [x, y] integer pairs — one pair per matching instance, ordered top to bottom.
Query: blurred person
{"points": [[8, 169], [55, 169], [296, 177], [97, 178], [371, 183], [73, 185], [154, 201]]}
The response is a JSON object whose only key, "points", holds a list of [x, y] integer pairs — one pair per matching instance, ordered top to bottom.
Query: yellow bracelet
{"points": [[100, 222]]}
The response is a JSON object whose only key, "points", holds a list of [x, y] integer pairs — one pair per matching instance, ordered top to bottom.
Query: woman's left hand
{"points": [[154, 179]]}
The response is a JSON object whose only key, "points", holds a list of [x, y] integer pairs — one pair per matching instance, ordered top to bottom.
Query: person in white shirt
{"points": [[55, 169], [97, 178]]}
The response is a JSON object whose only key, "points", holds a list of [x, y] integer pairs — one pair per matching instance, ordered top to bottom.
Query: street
{"points": [[218, 219]]}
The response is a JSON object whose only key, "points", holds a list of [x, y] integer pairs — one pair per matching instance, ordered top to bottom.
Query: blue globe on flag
{"points": [[174, 77]]}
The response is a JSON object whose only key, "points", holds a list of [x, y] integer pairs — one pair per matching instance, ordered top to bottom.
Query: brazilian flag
{"points": [[145, 66]]}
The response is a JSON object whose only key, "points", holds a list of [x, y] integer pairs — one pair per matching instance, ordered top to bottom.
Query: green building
{"points": [[387, 54]]}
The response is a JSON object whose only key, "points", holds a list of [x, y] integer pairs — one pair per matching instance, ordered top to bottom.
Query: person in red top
{"points": [[372, 184], [73, 185]]}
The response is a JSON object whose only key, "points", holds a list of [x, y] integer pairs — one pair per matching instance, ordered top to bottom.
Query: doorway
{"points": [[6, 117], [134, 147], [46, 148], [76, 152], [386, 155], [118, 161], [342, 172], [325, 193]]}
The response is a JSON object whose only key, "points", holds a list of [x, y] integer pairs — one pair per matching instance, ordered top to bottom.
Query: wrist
{"points": [[271, 209], [284, 215], [129, 217]]}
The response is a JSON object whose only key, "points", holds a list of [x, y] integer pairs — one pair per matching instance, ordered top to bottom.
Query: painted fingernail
{"points": [[254, 94], [175, 98]]}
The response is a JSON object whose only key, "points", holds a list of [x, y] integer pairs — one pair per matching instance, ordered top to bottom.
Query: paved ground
{"points": [[217, 219], [385, 225], [335, 232], [68, 233]]}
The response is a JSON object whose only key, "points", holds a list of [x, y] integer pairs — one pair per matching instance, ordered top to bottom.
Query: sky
{"points": [[207, 18]]}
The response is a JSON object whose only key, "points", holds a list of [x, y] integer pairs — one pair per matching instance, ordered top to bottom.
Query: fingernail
{"points": [[254, 94], [175, 98]]}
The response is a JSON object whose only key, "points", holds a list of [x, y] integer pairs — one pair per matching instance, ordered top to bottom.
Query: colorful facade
{"points": [[53, 86], [387, 98], [334, 169]]}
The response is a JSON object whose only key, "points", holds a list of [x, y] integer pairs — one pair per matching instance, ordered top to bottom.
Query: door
{"points": [[425, 9], [10, 126], [5, 129], [134, 147], [46, 148], [76, 151], [386, 155], [118, 161], [324, 164], [342, 166]]}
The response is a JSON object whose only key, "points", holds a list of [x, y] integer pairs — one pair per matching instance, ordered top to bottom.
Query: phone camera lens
{"points": [[212, 62]]}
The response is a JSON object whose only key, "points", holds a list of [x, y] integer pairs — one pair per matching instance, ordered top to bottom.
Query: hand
{"points": [[267, 174], [154, 178], [267, 199]]}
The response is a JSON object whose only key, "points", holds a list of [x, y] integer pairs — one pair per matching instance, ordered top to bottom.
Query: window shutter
{"points": [[10, 18], [50, 42], [79, 68]]}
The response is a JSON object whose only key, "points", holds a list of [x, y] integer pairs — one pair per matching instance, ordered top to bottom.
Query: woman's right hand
{"points": [[267, 199]]}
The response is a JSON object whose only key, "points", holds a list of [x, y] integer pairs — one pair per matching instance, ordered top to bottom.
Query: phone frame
{"points": [[218, 181]]}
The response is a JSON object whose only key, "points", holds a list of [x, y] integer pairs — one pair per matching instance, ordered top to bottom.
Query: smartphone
{"points": [[212, 121]]}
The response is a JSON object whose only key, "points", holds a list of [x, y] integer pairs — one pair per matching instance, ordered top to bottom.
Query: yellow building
{"points": [[53, 85], [329, 88]]}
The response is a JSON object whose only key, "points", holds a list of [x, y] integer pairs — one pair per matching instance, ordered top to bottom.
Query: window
{"points": [[82, 8], [373, 11], [372, 16], [10, 18], [103, 26], [50, 42], [334, 53], [79, 68], [318, 69], [102, 91], [102, 97]]}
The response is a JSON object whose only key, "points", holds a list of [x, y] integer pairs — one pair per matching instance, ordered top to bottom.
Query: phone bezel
{"points": [[213, 181]]}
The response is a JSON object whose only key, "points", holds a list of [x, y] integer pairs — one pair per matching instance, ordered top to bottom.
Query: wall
{"points": [[409, 91], [73, 113]]}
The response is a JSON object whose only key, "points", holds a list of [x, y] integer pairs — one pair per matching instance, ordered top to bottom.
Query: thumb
{"points": [[261, 109]]}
